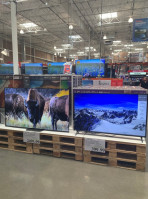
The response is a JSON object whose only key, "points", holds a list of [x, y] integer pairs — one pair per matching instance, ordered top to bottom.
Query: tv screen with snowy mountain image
{"points": [[37, 108], [124, 114]]}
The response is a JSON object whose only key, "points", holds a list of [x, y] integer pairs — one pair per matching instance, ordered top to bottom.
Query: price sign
{"points": [[31, 137], [94, 145]]}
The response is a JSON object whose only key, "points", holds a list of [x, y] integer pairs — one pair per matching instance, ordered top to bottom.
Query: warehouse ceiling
{"points": [[46, 23]]}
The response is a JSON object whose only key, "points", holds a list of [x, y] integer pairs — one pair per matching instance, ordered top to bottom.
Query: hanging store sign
{"points": [[140, 30], [67, 67], [102, 82]]}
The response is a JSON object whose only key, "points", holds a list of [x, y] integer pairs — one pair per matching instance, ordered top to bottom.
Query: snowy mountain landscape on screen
{"points": [[108, 113]]}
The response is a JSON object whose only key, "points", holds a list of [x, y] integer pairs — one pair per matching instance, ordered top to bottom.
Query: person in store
{"points": [[144, 82]]}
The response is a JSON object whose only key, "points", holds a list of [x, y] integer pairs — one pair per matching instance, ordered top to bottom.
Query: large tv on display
{"points": [[32, 68], [56, 68], [90, 68], [6, 69], [8, 82], [55, 82], [37, 108], [124, 114]]}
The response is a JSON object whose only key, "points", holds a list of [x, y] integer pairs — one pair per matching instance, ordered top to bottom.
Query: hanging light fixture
{"points": [[130, 20], [71, 27], [21, 32], [104, 37], [5, 52]]}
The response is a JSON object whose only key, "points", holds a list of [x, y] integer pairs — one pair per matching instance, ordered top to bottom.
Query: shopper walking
{"points": [[144, 82]]}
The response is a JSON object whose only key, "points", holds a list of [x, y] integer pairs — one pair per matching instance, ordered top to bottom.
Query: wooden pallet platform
{"points": [[4, 139], [76, 141], [16, 143], [59, 146], [119, 154]]}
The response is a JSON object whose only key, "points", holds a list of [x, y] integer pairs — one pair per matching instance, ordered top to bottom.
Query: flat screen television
{"points": [[32, 68], [56, 68], [90, 68], [6, 69], [8, 82], [55, 82], [37, 108], [124, 114]]}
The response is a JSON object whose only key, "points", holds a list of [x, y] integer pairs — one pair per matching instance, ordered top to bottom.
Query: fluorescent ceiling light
{"points": [[20, 1], [108, 15], [130, 20], [28, 25], [75, 36], [116, 42], [128, 45], [67, 46], [87, 48], [138, 48], [60, 50], [118, 50], [80, 53], [96, 54], [73, 56]]}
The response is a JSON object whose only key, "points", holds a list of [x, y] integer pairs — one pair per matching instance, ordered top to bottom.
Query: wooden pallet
{"points": [[4, 139], [17, 144], [59, 146], [119, 154]]}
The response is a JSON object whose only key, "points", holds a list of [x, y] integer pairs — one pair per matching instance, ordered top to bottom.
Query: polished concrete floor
{"points": [[25, 176]]}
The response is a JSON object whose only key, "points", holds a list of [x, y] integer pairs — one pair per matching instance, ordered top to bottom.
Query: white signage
{"points": [[102, 82], [31, 137], [94, 145]]}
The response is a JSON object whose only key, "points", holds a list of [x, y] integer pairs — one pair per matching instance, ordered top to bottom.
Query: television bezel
{"points": [[36, 129], [95, 133]]}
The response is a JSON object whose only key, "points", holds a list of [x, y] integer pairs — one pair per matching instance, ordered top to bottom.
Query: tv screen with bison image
{"points": [[4, 83], [37, 108], [124, 114]]}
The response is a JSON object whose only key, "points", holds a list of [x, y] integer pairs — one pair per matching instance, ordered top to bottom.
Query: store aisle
{"points": [[24, 176]]}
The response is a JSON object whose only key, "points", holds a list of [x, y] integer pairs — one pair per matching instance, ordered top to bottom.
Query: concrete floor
{"points": [[25, 176]]}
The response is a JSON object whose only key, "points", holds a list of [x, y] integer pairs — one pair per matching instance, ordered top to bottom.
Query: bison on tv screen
{"points": [[37, 108], [124, 114]]}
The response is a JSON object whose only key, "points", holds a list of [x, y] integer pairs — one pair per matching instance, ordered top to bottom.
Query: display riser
{"points": [[13, 140], [59, 146], [119, 154], [129, 154]]}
